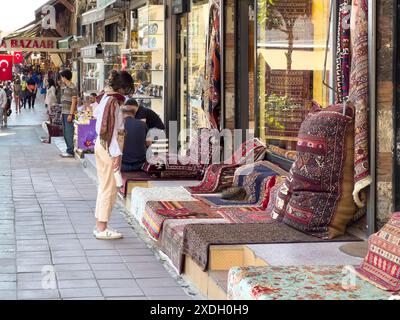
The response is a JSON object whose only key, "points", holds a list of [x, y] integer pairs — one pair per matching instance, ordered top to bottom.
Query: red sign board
{"points": [[31, 44]]}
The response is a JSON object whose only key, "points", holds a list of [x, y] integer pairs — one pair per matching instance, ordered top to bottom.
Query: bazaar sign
{"points": [[31, 45]]}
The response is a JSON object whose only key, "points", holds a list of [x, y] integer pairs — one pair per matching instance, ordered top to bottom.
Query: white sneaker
{"points": [[66, 155], [95, 231], [108, 235]]}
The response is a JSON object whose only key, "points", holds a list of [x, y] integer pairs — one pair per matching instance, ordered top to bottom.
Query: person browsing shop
{"points": [[69, 102], [135, 149], [108, 150]]}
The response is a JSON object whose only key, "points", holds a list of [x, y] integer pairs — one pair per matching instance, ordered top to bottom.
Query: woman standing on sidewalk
{"points": [[17, 95], [108, 150]]}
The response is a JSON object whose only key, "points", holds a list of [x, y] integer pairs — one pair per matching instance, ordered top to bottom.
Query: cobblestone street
{"points": [[46, 219]]}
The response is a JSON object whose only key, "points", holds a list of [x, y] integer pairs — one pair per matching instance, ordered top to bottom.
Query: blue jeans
{"points": [[68, 134], [130, 167]]}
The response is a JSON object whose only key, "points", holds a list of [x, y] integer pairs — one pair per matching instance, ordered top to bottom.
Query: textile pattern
{"points": [[343, 52], [358, 95], [219, 176], [315, 180], [157, 212], [381, 266], [298, 283]]}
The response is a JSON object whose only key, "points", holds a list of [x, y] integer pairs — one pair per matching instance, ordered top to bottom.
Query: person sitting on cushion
{"points": [[147, 115], [135, 149]]}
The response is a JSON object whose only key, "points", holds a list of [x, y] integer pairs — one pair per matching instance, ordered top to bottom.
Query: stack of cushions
{"points": [[202, 151], [219, 176], [316, 197], [381, 266]]}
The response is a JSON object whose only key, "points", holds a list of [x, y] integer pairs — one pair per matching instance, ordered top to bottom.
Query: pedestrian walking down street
{"points": [[24, 92], [31, 92], [17, 95], [69, 102], [3, 106], [108, 150]]}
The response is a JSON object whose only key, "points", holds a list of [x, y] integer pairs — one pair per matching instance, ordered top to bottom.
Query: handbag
{"points": [[9, 112]]}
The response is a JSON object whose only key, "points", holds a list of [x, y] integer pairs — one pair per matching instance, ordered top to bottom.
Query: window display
{"points": [[291, 45], [193, 50], [145, 59], [96, 70]]}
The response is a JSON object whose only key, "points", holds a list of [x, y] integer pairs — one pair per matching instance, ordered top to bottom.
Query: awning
{"points": [[102, 4], [93, 16], [65, 43], [91, 51], [57, 61]]}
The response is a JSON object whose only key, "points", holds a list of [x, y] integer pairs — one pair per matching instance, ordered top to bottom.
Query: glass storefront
{"points": [[192, 44], [290, 49], [145, 59]]}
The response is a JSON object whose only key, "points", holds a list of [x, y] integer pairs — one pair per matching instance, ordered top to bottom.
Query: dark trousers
{"points": [[68, 129], [131, 167]]}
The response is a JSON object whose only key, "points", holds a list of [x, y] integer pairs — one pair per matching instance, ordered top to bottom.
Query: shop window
{"points": [[111, 32], [193, 38], [291, 50], [145, 59]]}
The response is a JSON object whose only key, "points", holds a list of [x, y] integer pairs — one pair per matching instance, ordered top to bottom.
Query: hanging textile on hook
{"points": [[343, 52], [212, 90], [358, 95]]}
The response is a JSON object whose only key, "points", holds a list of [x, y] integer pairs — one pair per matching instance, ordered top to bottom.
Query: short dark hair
{"points": [[67, 74], [51, 83], [94, 94], [132, 102]]}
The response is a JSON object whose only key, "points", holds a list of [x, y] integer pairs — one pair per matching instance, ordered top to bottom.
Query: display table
{"points": [[85, 136]]}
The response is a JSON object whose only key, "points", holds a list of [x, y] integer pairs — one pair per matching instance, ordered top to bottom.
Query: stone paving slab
{"points": [[46, 225]]}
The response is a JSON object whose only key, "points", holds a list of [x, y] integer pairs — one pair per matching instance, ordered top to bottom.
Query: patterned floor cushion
{"points": [[202, 150], [220, 176], [254, 178], [321, 180], [141, 196], [157, 212], [381, 266], [300, 283]]}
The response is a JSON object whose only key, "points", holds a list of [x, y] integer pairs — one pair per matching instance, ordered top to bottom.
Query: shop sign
{"points": [[104, 3], [179, 6], [93, 16], [31, 44], [89, 52]]}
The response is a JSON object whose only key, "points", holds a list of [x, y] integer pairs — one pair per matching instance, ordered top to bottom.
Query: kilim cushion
{"points": [[320, 191], [234, 193], [267, 195], [278, 199], [381, 266], [300, 283]]}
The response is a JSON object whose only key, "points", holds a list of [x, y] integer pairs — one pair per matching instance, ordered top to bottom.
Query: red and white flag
{"points": [[18, 57], [6, 64]]}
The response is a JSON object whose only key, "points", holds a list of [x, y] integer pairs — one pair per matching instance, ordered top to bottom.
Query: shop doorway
{"points": [[245, 58], [181, 72]]}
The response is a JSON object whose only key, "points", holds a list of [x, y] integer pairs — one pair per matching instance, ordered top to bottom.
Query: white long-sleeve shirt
{"points": [[51, 97], [3, 98], [114, 149]]}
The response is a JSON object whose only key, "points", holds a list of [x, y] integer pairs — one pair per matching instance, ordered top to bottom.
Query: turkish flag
{"points": [[18, 57], [6, 64]]}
